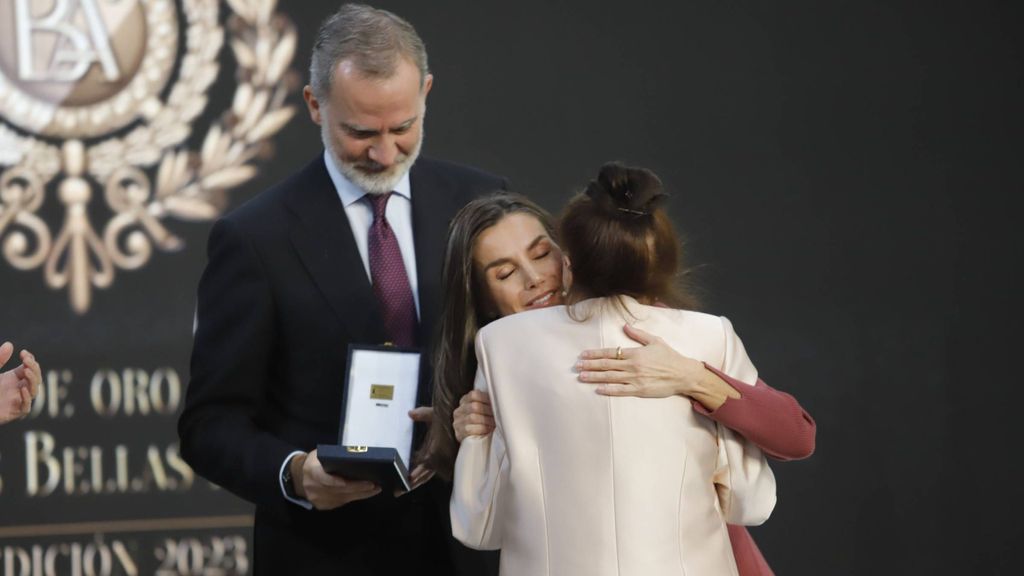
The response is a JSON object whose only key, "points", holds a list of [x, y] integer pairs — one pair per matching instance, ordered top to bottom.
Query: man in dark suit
{"points": [[347, 250]]}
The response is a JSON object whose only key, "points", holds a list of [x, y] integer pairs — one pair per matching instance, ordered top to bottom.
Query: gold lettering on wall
{"points": [[74, 50], [135, 391], [112, 393], [52, 401], [39, 451], [55, 464], [78, 470], [96, 557]]}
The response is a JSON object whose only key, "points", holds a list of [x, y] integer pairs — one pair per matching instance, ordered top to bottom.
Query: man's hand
{"points": [[18, 387], [423, 414], [473, 416], [420, 474], [326, 491]]}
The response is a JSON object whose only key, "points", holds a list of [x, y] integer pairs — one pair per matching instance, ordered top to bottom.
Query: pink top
{"points": [[767, 417], [775, 422]]}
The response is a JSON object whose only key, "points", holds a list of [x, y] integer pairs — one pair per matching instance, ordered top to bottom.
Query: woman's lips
{"points": [[542, 300]]}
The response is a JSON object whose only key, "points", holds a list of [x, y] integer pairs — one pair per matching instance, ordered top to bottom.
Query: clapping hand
{"points": [[19, 386]]}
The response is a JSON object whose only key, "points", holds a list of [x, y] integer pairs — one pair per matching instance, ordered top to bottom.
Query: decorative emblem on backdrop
{"points": [[98, 100]]}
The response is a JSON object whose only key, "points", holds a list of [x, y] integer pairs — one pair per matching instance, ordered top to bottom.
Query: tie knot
{"points": [[379, 202]]}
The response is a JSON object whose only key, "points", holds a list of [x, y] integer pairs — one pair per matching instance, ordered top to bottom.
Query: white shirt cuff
{"points": [[280, 479]]}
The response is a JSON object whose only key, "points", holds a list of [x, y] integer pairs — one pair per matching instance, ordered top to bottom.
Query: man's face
{"points": [[372, 126]]}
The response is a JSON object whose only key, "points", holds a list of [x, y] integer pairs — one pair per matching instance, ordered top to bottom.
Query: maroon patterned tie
{"points": [[390, 282]]}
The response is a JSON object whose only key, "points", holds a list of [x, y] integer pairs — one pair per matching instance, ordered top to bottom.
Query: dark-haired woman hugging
{"points": [[571, 482]]}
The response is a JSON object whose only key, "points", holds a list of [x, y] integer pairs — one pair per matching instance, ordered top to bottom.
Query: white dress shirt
{"points": [[360, 218]]}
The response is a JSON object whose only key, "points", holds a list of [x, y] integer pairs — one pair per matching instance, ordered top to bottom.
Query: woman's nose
{"points": [[532, 276]]}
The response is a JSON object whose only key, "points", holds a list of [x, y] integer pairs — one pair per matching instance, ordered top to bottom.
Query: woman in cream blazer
{"points": [[572, 482]]}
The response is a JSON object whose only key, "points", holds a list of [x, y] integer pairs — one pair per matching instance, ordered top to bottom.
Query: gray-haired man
{"points": [[347, 250]]}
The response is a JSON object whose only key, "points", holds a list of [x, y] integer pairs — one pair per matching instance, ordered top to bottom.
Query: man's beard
{"points": [[364, 173]]}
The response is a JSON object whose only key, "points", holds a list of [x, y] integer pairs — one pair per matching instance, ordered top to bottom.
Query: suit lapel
{"points": [[432, 207], [323, 239]]}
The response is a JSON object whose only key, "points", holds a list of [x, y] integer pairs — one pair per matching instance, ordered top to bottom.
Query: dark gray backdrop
{"points": [[843, 173]]}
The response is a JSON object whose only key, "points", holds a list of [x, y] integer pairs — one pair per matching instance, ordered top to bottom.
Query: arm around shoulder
{"points": [[770, 418]]}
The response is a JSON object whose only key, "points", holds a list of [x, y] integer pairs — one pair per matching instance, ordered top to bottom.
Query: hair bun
{"points": [[626, 192]]}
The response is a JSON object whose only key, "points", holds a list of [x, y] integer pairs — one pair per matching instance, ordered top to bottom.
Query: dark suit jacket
{"points": [[283, 295]]}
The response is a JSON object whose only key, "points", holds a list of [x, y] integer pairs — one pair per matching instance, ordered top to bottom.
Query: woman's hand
{"points": [[653, 370], [473, 416]]}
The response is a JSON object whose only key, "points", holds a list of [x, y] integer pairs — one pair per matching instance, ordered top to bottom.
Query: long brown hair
{"points": [[620, 241], [462, 315]]}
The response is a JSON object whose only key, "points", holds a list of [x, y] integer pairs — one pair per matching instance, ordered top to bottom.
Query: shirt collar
{"points": [[349, 192]]}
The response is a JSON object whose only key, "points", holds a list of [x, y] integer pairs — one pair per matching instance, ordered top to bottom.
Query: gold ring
{"points": [[618, 353]]}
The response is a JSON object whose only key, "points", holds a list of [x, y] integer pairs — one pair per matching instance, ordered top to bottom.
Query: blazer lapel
{"points": [[323, 239]]}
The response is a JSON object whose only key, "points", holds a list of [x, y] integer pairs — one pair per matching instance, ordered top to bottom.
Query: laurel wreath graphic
{"points": [[148, 175]]}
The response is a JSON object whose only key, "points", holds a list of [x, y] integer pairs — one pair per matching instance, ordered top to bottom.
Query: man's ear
{"points": [[428, 83], [313, 105]]}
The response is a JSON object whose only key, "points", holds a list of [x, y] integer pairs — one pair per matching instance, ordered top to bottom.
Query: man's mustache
{"points": [[376, 167]]}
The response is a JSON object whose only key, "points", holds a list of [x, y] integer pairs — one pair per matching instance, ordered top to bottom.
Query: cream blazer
{"points": [[574, 483]]}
